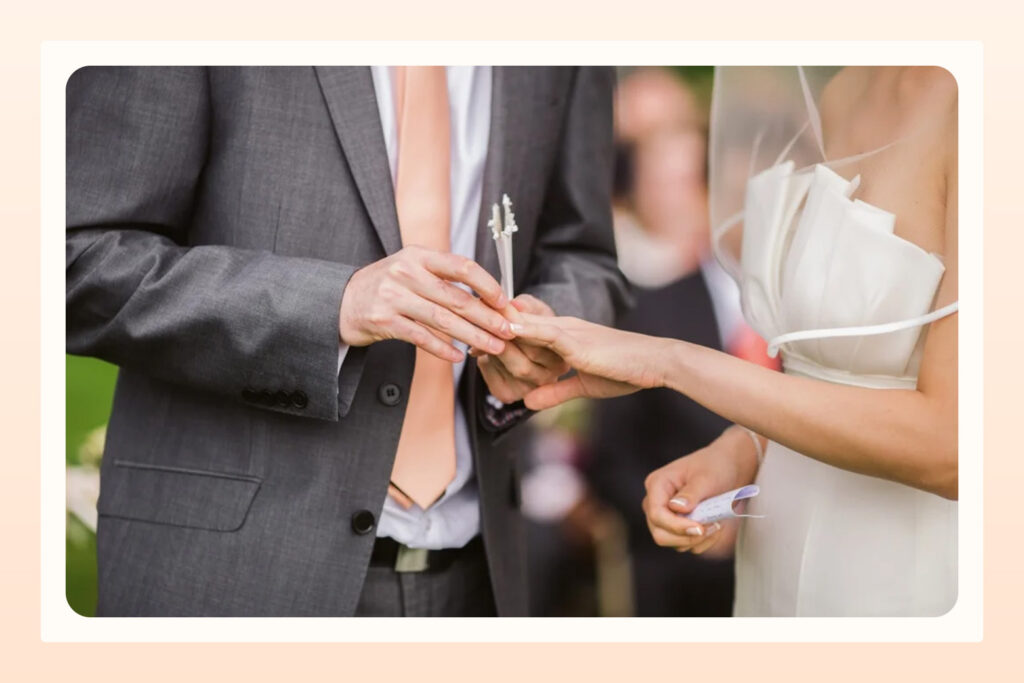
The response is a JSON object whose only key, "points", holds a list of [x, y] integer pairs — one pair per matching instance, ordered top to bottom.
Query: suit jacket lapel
{"points": [[512, 89], [352, 103], [494, 172]]}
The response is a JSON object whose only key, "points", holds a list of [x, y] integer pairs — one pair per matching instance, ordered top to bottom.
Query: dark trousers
{"points": [[461, 588]]}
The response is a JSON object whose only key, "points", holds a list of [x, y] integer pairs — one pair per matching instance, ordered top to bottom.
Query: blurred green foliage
{"points": [[700, 79], [89, 387], [80, 580]]}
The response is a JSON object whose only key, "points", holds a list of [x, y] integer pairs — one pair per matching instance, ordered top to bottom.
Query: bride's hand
{"points": [[608, 362], [676, 489]]}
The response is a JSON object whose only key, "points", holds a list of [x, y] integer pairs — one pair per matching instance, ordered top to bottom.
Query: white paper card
{"points": [[722, 506]]}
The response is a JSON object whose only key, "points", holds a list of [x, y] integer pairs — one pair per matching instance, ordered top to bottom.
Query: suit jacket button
{"points": [[389, 394], [249, 395], [265, 398], [283, 399], [299, 399], [363, 522]]}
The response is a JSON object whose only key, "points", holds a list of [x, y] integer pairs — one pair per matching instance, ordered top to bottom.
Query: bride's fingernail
{"points": [[516, 327], [681, 502], [714, 530], [694, 531]]}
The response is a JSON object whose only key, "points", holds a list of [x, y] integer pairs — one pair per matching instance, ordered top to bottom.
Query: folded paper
{"points": [[722, 506]]}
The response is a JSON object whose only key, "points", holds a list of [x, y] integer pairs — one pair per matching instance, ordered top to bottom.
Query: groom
{"points": [[278, 259]]}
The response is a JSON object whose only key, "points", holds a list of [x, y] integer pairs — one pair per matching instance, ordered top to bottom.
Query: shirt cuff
{"points": [[342, 352], [501, 416]]}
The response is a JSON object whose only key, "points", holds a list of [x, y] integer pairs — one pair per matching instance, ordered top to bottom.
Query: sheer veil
{"points": [[761, 116], [780, 208]]}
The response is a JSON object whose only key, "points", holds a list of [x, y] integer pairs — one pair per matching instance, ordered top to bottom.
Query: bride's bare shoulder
{"points": [[933, 79], [914, 90], [927, 90], [927, 97], [870, 106]]}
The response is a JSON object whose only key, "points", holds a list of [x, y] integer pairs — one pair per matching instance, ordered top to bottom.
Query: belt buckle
{"points": [[411, 559]]}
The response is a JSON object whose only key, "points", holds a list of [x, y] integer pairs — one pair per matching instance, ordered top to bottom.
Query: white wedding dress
{"points": [[831, 542]]}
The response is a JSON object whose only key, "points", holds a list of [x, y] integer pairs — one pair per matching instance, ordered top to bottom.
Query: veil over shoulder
{"points": [[823, 275]]}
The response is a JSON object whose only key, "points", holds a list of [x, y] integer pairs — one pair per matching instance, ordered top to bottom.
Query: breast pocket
{"points": [[161, 494]]}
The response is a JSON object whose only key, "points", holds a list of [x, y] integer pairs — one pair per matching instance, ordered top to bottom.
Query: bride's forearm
{"points": [[900, 435]]}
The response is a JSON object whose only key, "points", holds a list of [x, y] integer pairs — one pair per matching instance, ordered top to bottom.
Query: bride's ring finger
{"points": [[544, 357]]}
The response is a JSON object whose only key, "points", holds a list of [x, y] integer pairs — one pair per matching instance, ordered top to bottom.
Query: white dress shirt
{"points": [[455, 519]]}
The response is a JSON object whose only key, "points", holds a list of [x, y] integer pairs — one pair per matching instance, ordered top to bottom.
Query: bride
{"points": [[834, 205]]}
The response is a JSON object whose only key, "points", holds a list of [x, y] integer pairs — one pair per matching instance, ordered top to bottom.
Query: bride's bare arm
{"points": [[901, 435], [905, 436]]}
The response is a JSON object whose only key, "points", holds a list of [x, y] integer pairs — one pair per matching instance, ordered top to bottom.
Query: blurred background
{"points": [[589, 550]]}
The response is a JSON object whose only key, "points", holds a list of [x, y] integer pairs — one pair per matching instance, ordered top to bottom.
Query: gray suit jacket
{"points": [[214, 217]]}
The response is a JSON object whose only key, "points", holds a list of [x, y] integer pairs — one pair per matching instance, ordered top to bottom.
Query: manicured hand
{"points": [[411, 296], [608, 362], [521, 367], [677, 488]]}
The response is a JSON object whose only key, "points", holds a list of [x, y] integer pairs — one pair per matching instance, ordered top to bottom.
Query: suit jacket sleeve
{"points": [[573, 265], [243, 323]]}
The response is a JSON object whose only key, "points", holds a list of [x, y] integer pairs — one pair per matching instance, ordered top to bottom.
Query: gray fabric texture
{"points": [[214, 217]]}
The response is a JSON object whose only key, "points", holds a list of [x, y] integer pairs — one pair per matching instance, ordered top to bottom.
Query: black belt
{"points": [[387, 552]]}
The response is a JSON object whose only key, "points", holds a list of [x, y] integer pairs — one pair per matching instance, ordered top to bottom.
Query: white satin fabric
{"points": [[831, 542]]}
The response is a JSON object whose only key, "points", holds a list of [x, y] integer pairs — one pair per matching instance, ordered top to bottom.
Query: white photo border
{"points": [[59, 623]]}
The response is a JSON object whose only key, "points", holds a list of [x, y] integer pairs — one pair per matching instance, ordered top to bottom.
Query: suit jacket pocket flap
{"points": [[183, 497]]}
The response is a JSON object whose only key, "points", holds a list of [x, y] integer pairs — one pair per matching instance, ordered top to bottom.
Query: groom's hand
{"points": [[410, 296], [521, 367]]}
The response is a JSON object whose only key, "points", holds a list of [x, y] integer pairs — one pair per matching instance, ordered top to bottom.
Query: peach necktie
{"points": [[425, 461]]}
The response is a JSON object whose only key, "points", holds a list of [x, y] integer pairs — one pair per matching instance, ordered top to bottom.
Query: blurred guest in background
{"points": [[661, 229], [854, 447], [592, 552]]}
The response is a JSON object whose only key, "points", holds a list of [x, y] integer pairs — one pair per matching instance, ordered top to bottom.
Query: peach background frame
{"points": [[26, 656]]}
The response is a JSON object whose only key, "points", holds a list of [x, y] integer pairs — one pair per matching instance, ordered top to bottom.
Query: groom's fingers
{"points": [[456, 268], [531, 304], [418, 335], [522, 366], [501, 384], [551, 395]]}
